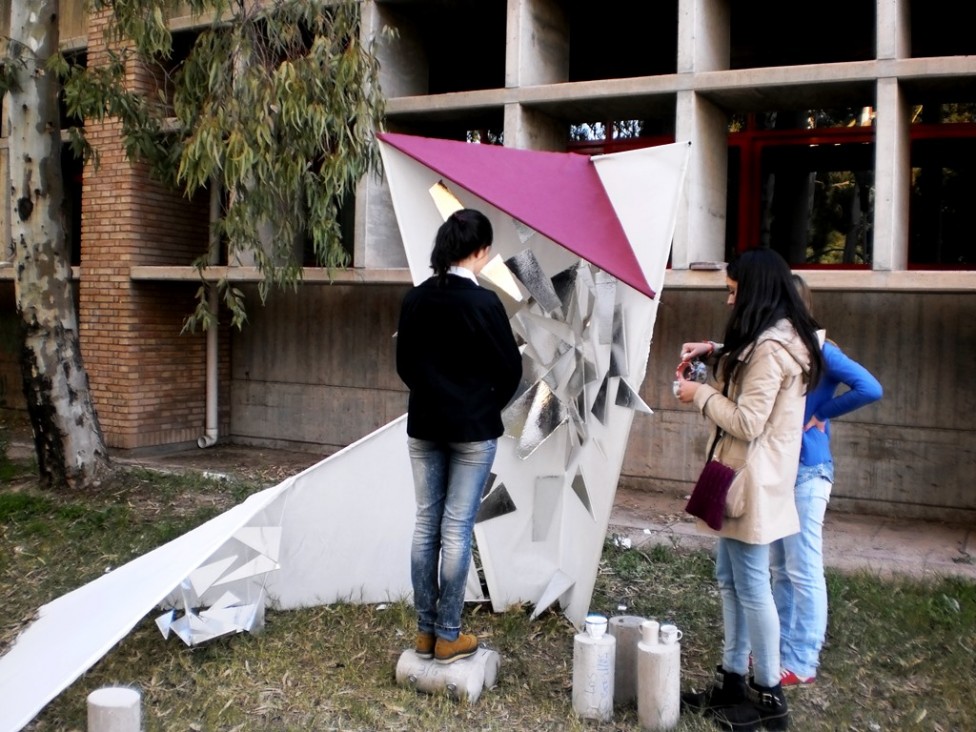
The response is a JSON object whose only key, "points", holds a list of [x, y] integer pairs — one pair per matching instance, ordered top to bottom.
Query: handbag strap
{"points": [[719, 432], [718, 436]]}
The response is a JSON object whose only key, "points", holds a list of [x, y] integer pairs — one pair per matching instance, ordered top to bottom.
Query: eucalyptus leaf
{"points": [[266, 94]]}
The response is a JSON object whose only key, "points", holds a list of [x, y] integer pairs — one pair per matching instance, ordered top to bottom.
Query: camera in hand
{"points": [[694, 370]]}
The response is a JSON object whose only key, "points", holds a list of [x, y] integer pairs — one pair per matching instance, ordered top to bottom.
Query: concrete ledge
{"points": [[317, 275], [854, 280]]}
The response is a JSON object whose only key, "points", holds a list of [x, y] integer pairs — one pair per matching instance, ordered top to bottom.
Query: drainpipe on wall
{"points": [[209, 437]]}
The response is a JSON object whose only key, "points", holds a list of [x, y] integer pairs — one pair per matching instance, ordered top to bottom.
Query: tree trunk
{"points": [[70, 448]]}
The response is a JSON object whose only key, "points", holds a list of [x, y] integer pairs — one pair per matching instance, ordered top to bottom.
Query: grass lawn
{"points": [[901, 654]]}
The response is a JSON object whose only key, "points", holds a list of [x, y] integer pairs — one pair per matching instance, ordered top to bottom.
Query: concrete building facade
{"points": [[820, 136]]}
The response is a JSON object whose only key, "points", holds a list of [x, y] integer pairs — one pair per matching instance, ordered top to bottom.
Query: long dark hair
{"points": [[465, 232], [766, 294]]}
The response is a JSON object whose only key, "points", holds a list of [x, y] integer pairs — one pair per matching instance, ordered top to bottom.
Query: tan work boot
{"points": [[424, 647], [446, 651]]}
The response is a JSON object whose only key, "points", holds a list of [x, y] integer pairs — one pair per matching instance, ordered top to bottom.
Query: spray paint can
{"points": [[594, 654], [658, 677]]}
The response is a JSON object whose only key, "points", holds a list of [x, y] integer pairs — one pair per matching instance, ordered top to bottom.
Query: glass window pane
{"points": [[943, 195], [817, 202]]}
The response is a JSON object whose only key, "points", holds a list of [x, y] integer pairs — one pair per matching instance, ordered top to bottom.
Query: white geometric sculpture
{"points": [[587, 241], [577, 269]]}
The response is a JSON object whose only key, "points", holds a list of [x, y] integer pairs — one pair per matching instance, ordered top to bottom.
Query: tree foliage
{"points": [[274, 106]]}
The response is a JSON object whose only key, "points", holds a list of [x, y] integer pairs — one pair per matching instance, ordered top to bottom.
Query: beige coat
{"points": [[763, 423]]}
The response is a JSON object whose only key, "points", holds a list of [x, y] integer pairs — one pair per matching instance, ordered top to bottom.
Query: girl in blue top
{"points": [[796, 562]]}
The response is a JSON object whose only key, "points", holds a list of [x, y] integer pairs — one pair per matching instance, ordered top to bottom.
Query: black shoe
{"points": [[728, 690], [764, 708]]}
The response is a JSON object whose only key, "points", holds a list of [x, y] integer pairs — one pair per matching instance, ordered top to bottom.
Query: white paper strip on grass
{"points": [[346, 525], [56, 648]]}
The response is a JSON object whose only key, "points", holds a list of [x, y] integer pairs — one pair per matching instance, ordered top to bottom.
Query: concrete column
{"points": [[893, 32], [703, 35], [537, 43], [703, 45], [403, 59], [403, 72], [528, 129], [892, 177], [700, 229], [376, 237]]}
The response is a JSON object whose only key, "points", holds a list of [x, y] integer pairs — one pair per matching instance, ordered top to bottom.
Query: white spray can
{"points": [[593, 665], [658, 677]]}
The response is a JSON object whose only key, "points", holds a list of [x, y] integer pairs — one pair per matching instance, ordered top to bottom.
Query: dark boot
{"points": [[728, 690], [764, 708]]}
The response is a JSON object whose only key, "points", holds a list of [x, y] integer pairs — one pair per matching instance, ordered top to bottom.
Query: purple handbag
{"points": [[707, 500]]}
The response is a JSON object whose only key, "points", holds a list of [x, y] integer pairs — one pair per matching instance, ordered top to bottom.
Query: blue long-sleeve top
{"points": [[825, 403]]}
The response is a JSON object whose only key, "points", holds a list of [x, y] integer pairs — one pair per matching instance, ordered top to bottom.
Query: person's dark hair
{"points": [[465, 232], [765, 294]]}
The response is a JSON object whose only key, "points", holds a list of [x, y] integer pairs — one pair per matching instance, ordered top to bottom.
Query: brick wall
{"points": [[147, 379]]}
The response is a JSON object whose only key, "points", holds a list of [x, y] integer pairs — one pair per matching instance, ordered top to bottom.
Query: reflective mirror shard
{"points": [[526, 267], [495, 504]]}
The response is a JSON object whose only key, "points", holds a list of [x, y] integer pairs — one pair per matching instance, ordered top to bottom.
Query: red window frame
{"points": [[751, 143]]}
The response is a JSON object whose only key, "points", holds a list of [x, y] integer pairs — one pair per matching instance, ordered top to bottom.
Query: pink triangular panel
{"points": [[557, 194]]}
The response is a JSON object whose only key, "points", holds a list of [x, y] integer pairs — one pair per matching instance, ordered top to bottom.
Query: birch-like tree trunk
{"points": [[70, 448]]}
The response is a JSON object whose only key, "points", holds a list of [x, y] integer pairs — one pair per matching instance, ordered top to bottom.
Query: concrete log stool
{"points": [[626, 629], [461, 679], [114, 709]]}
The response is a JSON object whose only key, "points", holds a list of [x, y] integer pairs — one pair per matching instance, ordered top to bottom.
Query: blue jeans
{"points": [[449, 478], [799, 588], [748, 610]]}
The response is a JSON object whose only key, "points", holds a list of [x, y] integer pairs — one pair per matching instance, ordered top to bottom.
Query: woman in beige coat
{"points": [[769, 359]]}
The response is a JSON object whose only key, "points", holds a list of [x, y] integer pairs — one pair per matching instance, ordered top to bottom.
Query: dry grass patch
{"points": [[901, 654]]}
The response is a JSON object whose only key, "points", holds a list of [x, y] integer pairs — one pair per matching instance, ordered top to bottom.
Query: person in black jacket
{"points": [[457, 355]]}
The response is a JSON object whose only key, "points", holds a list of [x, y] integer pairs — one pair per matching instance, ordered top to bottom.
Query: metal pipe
{"points": [[210, 435]]}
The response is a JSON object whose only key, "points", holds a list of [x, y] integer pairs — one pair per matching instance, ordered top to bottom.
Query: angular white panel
{"points": [[263, 539], [203, 578], [558, 584]]}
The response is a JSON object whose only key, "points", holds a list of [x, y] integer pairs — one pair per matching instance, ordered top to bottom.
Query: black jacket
{"points": [[457, 354]]}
